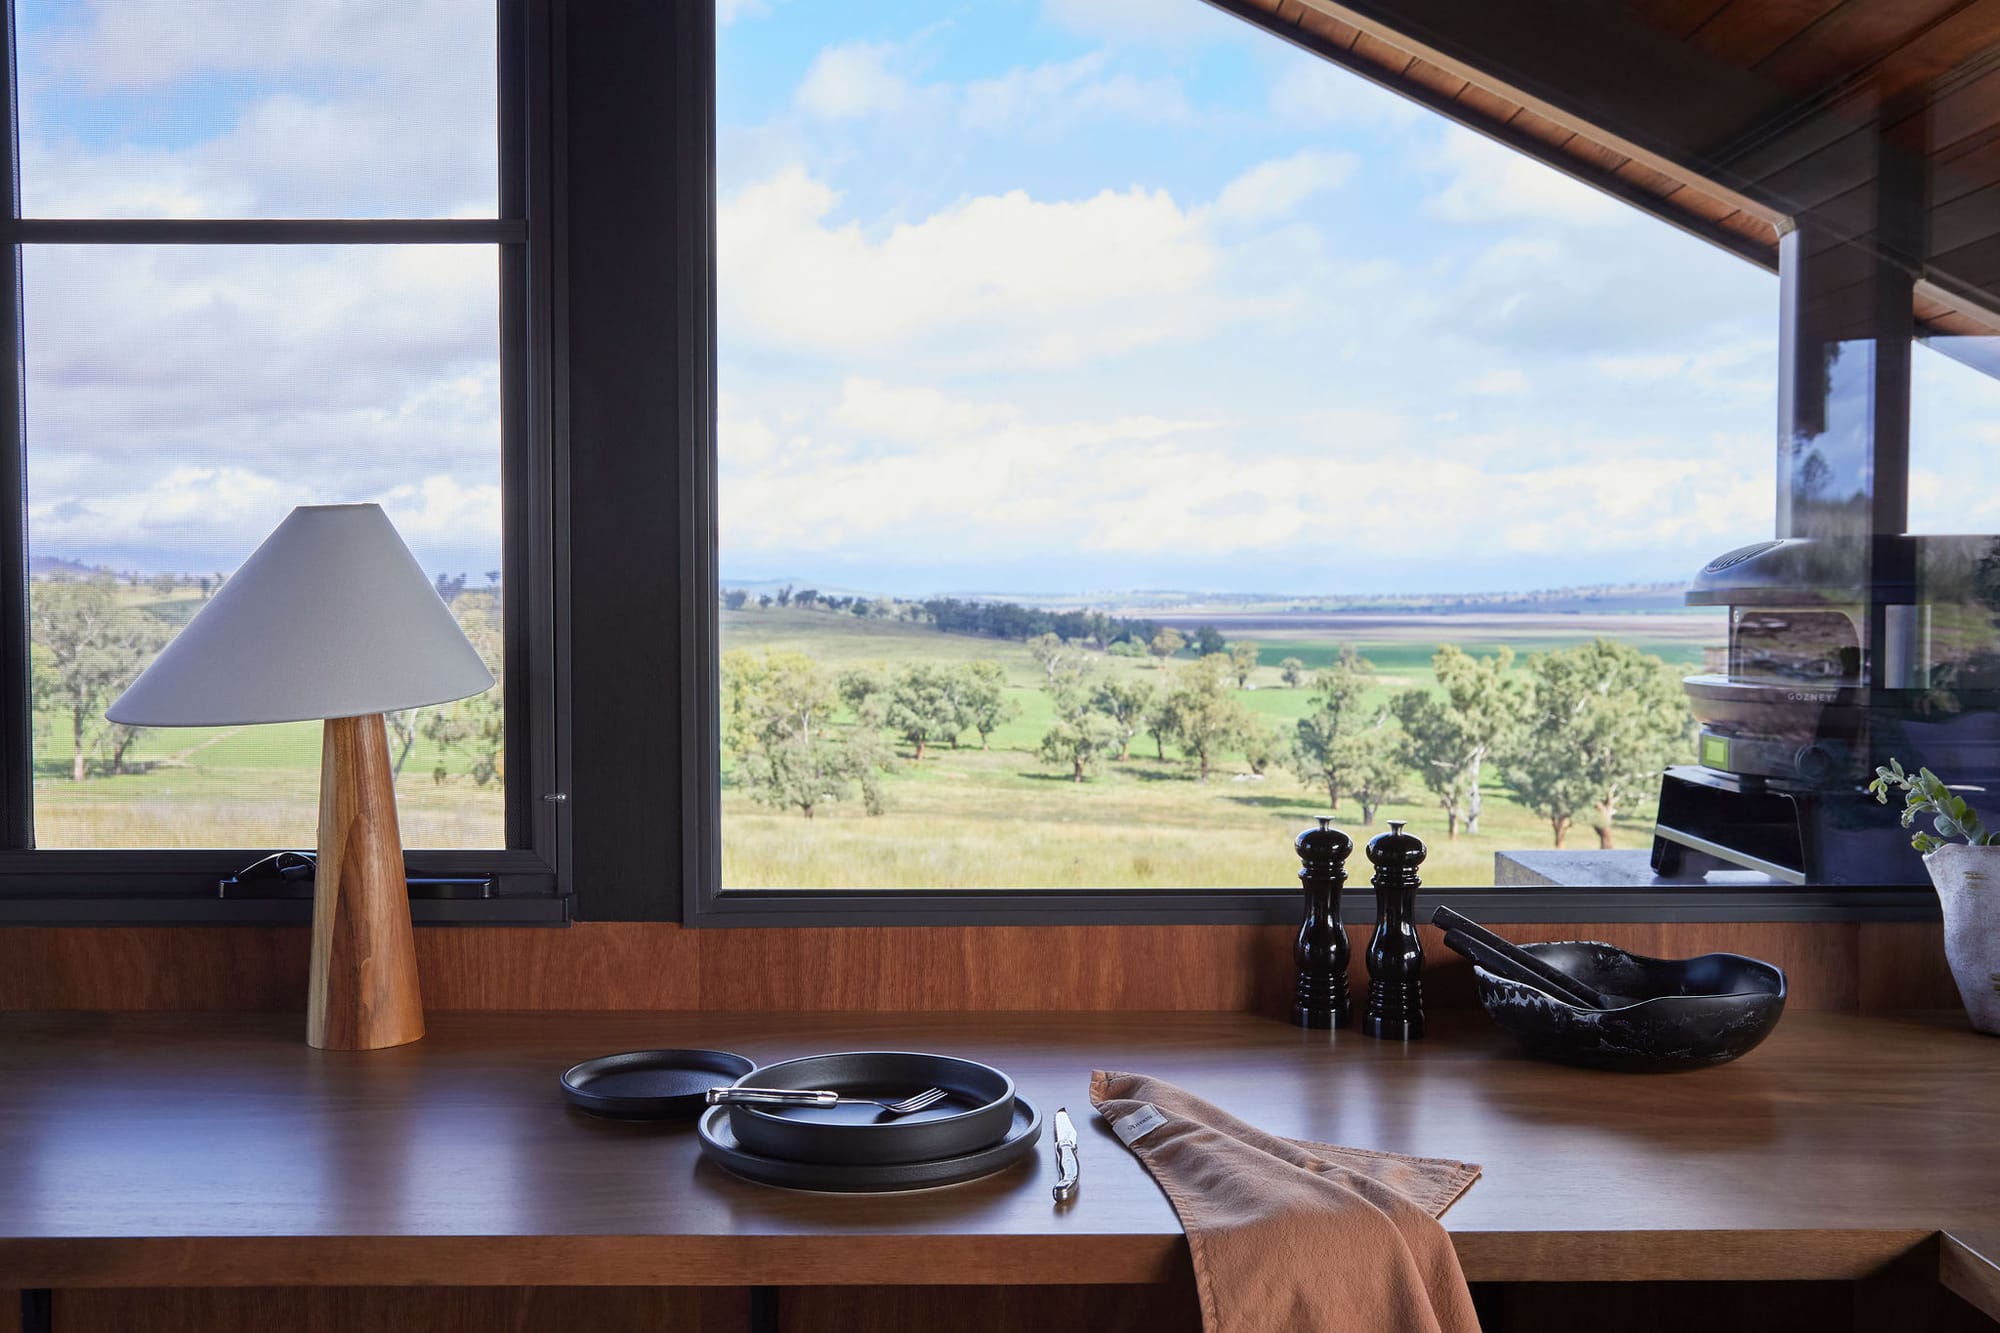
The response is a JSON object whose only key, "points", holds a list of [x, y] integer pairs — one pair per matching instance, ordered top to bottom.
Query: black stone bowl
{"points": [[1670, 1013]]}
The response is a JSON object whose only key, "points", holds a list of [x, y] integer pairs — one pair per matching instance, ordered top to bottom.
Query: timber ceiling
{"points": [[1869, 120]]}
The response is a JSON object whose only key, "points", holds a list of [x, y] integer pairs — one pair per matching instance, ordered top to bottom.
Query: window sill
{"points": [[1543, 887]]}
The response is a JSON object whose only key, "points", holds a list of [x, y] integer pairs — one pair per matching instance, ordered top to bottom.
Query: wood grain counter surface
{"points": [[220, 1150]]}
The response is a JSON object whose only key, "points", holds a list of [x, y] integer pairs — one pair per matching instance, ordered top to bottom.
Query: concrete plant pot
{"points": [[1968, 888]]}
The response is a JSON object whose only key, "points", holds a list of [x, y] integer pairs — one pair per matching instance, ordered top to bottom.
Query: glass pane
{"points": [[244, 108], [180, 401], [1954, 433], [1134, 443]]}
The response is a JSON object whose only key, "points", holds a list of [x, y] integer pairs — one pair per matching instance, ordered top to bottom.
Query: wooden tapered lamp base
{"points": [[363, 992]]}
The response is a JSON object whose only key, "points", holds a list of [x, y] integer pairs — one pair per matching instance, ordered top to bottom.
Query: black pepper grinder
{"points": [[1395, 954], [1320, 998]]}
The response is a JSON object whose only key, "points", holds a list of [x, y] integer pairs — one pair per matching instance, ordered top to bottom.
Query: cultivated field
{"points": [[1005, 817]]}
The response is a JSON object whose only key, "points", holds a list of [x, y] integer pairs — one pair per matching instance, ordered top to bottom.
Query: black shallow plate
{"points": [[651, 1085], [976, 1112], [720, 1146]]}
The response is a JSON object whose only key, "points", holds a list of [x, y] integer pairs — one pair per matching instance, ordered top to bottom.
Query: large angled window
{"points": [[1136, 439]]}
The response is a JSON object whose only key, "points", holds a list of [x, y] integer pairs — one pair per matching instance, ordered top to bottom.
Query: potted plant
{"points": [[1967, 876]]}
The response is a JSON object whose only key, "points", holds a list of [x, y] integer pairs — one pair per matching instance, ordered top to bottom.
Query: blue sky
{"points": [[1015, 295], [1015, 300]]}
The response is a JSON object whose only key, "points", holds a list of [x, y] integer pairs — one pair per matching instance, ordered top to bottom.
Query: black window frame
{"points": [[529, 880]]}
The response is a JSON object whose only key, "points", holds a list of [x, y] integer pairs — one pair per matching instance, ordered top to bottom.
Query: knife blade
{"points": [[1067, 1161]]}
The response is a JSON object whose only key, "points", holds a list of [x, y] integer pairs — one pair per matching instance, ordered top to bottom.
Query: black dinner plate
{"points": [[651, 1085], [976, 1112], [721, 1147]]}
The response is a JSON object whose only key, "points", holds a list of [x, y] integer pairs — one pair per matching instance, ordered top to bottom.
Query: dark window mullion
{"points": [[16, 713]]}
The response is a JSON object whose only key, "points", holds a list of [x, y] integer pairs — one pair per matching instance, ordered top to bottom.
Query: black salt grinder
{"points": [[1395, 954], [1320, 997]]}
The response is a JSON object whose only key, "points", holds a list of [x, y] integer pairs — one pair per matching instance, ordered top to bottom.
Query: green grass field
{"points": [[236, 786], [1003, 817], [965, 818]]}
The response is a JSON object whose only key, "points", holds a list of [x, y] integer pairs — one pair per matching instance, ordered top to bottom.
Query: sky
{"points": [[1019, 296], [1068, 296], [181, 399]]}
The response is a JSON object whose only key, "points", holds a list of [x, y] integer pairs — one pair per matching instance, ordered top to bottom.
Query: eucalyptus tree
{"points": [[90, 643], [1243, 655], [982, 695], [1126, 702], [777, 713], [1203, 715], [1603, 720], [1450, 736], [1319, 752]]}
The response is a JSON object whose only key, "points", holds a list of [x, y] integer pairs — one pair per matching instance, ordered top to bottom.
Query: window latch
{"points": [[290, 875]]}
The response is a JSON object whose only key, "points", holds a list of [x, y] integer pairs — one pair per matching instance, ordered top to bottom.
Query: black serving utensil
{"points": [[1465, 936]]}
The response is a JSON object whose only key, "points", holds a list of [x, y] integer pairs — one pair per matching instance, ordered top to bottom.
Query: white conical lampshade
{"points": [[330, 617]]}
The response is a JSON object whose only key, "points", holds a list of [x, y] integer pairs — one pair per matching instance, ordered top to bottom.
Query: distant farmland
{"points": [[1005, 817]]}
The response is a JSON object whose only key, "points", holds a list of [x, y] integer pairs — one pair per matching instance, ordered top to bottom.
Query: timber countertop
{"points": [[218, 1149]]}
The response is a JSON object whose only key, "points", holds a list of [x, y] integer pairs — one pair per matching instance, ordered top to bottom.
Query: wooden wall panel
{"points": [[650, 965], [1902, 966], [998, 967], [433, 1309], [10, 1311]]}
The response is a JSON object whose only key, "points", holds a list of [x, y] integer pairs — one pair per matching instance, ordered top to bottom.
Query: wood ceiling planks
{"points": [[1748, 31], [1748, 113]]}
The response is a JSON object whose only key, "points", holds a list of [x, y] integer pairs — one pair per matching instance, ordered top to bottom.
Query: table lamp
{"points": [[331, 618]]}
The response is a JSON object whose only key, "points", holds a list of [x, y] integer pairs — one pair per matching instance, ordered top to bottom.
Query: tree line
{"points": [[1122, 636]]}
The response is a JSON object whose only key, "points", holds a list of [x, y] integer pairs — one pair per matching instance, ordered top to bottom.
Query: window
{"points": [[269, 256], [1085, 396]]}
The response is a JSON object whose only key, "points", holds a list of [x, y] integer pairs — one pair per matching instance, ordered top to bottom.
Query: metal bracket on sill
{"points": [[290, 875]]}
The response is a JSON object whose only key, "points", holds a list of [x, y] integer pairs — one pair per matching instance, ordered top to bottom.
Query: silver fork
{"points": [[792, 1097]]}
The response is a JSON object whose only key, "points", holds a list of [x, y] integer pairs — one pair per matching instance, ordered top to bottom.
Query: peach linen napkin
{"points": [[1288, 1235]]}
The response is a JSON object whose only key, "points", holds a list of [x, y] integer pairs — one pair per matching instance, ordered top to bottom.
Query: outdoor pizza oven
{"points": [[1840, 655]]}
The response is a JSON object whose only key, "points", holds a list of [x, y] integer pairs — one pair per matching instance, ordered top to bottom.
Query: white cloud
{"points": [[728, 11], [852, 80], [1060, 93], [1318, 97], [384, 109], [1493, 183], [1273, 190], [1018, 280], [1595, 294], [1495, 382], [219, 385], [871, 409], [1254, 489], [440, 511]]}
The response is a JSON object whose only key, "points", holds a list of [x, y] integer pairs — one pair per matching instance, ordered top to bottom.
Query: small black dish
{"points": [[1685, 1013], [651, 1085], [976, 1112], [720, 1146]]}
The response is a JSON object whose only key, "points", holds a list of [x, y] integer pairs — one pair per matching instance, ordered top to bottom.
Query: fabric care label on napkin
{"points": [[1139, 1124]]}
